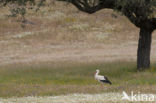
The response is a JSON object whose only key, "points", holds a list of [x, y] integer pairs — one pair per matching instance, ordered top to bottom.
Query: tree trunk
{"points": [[144, 48]]}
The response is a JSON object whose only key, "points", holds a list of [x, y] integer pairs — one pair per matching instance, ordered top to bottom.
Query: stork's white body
{"points": [[101, 78]]}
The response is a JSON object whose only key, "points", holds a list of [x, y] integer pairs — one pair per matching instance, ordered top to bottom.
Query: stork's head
{"points": [[97, 71]]}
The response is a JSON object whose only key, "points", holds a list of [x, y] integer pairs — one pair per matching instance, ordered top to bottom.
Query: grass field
{"points": [[46, 79]]}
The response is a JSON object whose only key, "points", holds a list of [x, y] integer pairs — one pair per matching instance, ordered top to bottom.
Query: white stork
{"points": [[101, 78]]}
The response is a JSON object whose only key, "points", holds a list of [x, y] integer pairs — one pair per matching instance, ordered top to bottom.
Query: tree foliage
{"points": [[136, 10]]}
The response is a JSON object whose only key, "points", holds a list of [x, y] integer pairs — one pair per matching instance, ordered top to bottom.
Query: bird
{"points": [[100, 78]]}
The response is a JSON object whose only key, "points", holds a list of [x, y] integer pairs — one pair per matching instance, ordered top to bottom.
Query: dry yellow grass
{"points": [[53, 33]]}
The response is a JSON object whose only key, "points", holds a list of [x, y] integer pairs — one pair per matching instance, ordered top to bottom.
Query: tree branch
{"points": [[84, 5], [131, 9]]}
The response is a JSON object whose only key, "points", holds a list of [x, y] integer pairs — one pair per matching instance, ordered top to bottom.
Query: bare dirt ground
{"points": [[68, 35], [79, 52]]}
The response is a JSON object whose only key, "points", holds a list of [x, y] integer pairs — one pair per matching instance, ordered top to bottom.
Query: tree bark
{"points": [[144, 49]]}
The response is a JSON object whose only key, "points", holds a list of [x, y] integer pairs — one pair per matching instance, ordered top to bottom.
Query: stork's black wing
{"points": [[106, 80]]}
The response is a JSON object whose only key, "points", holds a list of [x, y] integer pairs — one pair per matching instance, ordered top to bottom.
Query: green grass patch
{"points": [[22, 80]]}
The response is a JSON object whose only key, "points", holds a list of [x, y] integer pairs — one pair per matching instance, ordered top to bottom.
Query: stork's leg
{"points": [[101, 85]]}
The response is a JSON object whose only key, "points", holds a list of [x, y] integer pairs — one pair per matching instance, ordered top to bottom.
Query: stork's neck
{"points": [[97, 73]]}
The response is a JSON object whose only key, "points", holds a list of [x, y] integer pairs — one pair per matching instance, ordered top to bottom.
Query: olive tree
{"points": [[139, 12]]}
